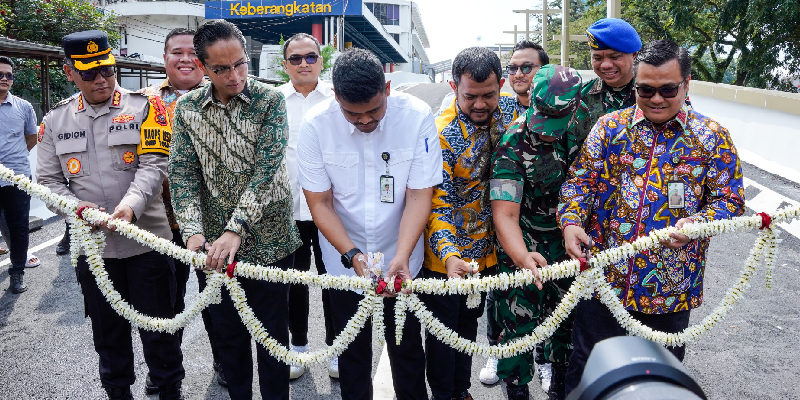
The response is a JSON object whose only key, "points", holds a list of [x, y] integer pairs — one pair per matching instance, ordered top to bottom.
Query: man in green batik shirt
{"points": [[614, 44], [530, 165], [232, 197]]}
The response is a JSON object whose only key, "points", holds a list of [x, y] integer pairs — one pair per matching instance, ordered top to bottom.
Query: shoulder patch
{"points": [[157, 106], [41, 132]]}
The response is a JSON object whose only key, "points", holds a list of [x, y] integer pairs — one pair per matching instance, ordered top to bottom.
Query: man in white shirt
{"points": [[302, 61], [350, 148]]}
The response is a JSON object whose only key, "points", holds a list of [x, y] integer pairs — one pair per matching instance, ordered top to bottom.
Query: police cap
{"points": [[615, 34], [88, 49]]}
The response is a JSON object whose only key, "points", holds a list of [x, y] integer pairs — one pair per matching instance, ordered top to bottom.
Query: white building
{"points": [[392, 29]]}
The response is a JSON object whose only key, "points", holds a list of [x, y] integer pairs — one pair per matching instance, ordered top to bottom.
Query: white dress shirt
{"points": [[296, 108], [332, 153]]}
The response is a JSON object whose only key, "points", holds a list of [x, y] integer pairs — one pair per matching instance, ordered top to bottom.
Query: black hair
{"points": [[213, 31], [177, 32], [298, 37], [659, 52], [544, 59], [6, 60], [479, 63], [358, 76]]}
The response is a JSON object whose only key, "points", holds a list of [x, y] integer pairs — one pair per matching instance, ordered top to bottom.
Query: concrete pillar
{"points": [[614, 8], [544, 24], [316, 28], [327, 31], [565, 33], [391, 67]]}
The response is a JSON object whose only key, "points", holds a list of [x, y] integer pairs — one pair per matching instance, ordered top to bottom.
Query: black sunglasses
{"points": [[297, 59], [525, 68], [90, 74], [7, 75], [666, 92]]}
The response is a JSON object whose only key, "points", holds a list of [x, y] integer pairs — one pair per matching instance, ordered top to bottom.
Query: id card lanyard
{"points": [[387, 181], [676, 190]]}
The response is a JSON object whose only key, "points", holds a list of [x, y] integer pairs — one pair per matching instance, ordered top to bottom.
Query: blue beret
{"points": [[615, 34]]}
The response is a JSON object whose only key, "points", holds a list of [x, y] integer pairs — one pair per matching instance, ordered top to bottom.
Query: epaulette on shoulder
{"points": [[65, 101]]}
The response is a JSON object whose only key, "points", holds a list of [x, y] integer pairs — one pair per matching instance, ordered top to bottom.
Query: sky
{"points": [[453, 25]]}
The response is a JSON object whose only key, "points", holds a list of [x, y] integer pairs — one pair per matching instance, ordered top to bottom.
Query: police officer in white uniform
{"points": [[112, 146]]}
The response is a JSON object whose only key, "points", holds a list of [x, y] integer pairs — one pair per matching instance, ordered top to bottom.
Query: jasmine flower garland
{"points": [[586, 283]]}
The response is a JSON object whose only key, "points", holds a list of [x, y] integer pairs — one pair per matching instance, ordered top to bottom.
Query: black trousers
{"points": [[16, 205], [182, 272], [147, 282], [298, 294], [269, 302], [594, 322], [493, 330], [355, 364], [449, 370]]}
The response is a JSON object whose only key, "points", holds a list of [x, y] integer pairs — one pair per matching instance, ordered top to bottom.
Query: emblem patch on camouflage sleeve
{"points": [[73, 165]]}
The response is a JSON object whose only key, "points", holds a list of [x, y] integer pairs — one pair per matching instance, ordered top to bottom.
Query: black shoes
{"points": [[63, 246], [17, 284], [220, 376], [149, 388], [557, 389], [171, 392], [515, 392], [119, 393], [462, 396]]}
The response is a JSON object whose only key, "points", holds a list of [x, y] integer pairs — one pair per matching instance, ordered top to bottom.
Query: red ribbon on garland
{"points": [[80, 211], [766, 220], [584, 264], [231, 267], [382, 285]]}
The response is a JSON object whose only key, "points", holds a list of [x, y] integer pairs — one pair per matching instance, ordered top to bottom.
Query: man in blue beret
{"points": [[614, 44]]}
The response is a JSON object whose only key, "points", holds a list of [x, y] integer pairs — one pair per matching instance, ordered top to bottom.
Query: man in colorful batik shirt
{"points": [[183, 75], [530, 165], [618, 191], [232, 197], [459, 229]]}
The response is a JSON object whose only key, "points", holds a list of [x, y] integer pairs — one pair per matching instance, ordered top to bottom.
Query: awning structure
{"points": [[49, 54]]}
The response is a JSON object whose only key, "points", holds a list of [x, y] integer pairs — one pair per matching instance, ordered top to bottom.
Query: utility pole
{"points": [[613, 8]]}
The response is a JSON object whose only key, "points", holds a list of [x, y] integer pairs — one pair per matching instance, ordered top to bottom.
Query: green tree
{"points": [[46, 22], [327, 52]]}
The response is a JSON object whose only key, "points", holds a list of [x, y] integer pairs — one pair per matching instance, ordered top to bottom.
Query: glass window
{"points": [[387, 14]]}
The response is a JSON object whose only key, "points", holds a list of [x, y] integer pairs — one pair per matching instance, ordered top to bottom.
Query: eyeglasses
{"points": [[297, 59], [525, 68], [225, 71], [90, 74], [7, 75], [667, 92]]}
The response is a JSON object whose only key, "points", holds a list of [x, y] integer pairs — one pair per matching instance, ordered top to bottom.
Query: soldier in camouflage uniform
{"points": [[613, 44], [530, 165]]}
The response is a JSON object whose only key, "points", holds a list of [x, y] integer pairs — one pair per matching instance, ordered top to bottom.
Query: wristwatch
{"points": [[347, 258]]}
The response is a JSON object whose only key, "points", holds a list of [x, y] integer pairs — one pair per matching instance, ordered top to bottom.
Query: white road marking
{"points": [[768, 201], [36, 248], [382, 384]]}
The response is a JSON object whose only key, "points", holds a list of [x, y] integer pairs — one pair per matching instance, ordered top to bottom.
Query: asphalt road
{"points": [[47, 351]]}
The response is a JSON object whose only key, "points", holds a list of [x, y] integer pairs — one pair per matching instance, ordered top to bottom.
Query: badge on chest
{"points": [[386, 181]]}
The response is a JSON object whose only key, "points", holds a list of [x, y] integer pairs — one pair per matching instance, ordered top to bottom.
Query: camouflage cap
{"points": [[555, 95]]}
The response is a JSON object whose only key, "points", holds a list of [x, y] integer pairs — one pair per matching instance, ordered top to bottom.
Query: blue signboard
{"points": [[280, 8]]}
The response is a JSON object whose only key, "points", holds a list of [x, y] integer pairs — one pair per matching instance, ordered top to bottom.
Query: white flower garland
{"points": [[587, 283]]}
